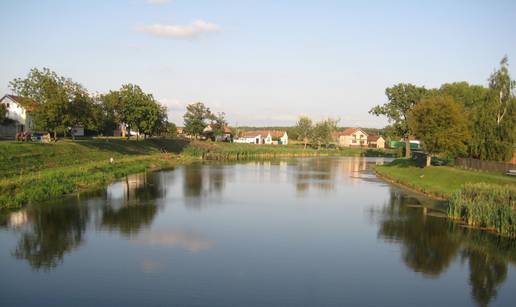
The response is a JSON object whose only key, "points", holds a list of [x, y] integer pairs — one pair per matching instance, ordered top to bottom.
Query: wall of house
{"points": [[17, 113], [284, 139], [380, 143]]}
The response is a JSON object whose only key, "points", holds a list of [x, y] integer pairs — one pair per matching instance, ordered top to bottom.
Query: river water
{"points": [[299, 232]]}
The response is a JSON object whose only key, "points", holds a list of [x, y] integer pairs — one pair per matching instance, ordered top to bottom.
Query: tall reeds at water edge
{"points": [[486, 206]]}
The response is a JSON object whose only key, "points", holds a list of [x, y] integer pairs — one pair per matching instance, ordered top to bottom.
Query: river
{"points": [[297, 232]]}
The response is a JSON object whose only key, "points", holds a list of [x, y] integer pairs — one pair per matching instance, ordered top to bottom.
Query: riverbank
{"points": [[35, 172], [437, 181], [483, 200]]}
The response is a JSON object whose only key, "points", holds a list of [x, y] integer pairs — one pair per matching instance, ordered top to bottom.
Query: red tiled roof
{"points": [[348, 131], [373, 138]]}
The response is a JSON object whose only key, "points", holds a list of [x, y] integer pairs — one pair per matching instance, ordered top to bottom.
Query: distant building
{"points": [[18, 111], [209, 132], [263, 137], [351, 137], [376, 141]]}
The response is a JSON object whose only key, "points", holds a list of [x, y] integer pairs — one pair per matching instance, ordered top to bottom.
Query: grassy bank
{"points": [[232, 151], [34, 172], [437, 181], [478, 199]]}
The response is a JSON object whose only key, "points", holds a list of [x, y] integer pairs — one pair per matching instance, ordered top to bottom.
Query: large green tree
{"points": [[401, 99], [61, 102], [137, 110], [196, 118], [441, 124], [494, 127], [304, 128], [323, 131]]}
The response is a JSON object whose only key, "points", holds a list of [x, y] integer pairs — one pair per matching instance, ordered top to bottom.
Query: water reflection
{"points": [[316, 173], [202, 182], [131, 204], [152, 212], [51, 232], [188, 240], [429, 245]]}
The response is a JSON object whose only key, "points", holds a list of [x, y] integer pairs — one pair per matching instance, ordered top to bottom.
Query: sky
{"points": [[261, 62]]}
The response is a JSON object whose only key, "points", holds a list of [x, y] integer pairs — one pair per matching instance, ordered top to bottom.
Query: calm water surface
{"points": [[306, 232]]}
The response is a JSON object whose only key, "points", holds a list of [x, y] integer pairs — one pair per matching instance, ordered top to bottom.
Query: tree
{"points": [[402, 98], [61, 102], [132, 107], [196, 118], [218, 122], [494, 122], [440, 123], [304, 127], [322, 132]]}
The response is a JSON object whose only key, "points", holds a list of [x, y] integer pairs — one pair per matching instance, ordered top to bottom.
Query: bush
{"points": [[487, 206]]}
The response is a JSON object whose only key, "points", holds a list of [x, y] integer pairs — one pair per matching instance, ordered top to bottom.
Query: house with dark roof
{"points": [[18, 112], [351, 137], [376, 141]]}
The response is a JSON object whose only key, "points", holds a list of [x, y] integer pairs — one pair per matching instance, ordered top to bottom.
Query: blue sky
{"points": [[261, 62]]}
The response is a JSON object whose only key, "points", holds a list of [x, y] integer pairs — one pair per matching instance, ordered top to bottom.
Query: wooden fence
{"points": [[490, 166]]}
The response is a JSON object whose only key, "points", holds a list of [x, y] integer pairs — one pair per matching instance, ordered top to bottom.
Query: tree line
{"points": [[61, 103], [456, 119], [316, 133]]}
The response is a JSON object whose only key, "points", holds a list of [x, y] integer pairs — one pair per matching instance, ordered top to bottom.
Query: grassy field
{"points": [[34, 172], [438, 181]]}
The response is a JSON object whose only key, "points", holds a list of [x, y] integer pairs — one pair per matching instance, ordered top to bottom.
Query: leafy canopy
{"points": [[196, 118], [441, 124]]}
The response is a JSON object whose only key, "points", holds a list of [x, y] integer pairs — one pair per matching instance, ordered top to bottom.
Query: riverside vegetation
{"points": [[35, 172], [479, 199]]}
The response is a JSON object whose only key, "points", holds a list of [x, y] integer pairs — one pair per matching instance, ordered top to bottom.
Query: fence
{"points": [[8, 131], [490, 166]]}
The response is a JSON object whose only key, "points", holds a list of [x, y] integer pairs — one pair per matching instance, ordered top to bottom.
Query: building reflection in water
{"points": [[131, 204], [430, 244]]}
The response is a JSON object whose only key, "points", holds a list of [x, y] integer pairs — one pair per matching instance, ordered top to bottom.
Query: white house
{"points": [[18, 110], [263, 137], [352, 137]]}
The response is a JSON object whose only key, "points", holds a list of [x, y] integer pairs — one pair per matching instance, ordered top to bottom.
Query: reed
{"points": [[486, 206]]}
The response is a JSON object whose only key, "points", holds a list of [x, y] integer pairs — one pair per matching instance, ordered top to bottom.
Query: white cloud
{"points": [[157, 1], [193, 30]]}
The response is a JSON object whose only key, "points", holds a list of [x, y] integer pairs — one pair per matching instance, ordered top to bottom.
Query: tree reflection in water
{"points": [[317, 173], [201, 182], [54, 230], [430, 244]]}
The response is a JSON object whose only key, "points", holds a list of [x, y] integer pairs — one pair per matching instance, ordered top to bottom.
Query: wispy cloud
{"points": [[157, 2], [193, 30]]}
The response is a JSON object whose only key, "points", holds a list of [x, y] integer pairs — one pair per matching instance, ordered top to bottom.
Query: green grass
{"points": [[25, 158], [438, 181]]}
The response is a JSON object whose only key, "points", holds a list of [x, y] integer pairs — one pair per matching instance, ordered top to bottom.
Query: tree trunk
{"points": [[407, 148]]}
